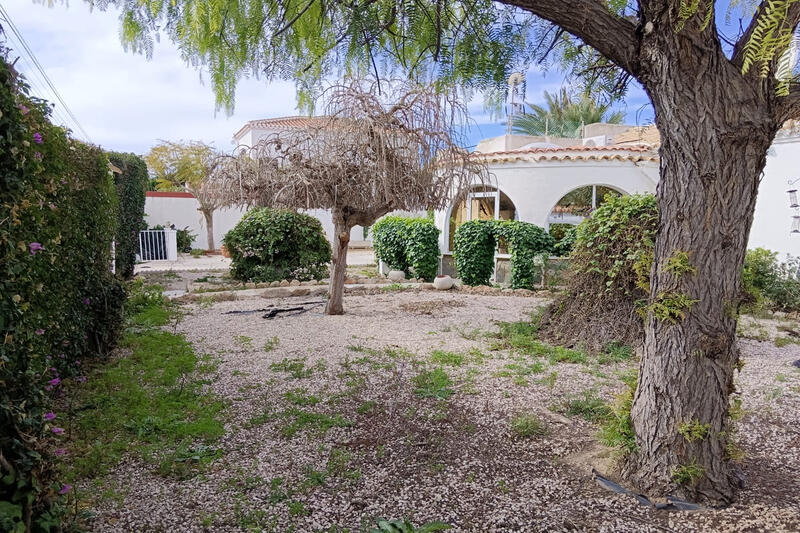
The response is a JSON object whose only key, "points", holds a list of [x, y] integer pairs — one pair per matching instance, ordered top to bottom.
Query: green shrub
{"points": [[131, 185], [564, 236], [185, 239], [475, 243], [276, 244], [407, 244], [473, 251], [609, 276], [769, 283], [59, 303]]}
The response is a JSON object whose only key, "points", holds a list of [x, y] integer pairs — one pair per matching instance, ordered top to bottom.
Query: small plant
{"points": [[197, 252], [678, 264], [394, 287], [671, 306], [244, 341], [271, 344], [615, 352], [441, 357], [295, 367], [433, 384], [301, 397], [590, 407], [300, 420], [527, 425], [617, 429], [694, 430], [688, 474], [298, 508], [405, 526]]}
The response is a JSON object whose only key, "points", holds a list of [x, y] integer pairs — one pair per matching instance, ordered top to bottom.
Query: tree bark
{"points": [[714, 137], [209, 216], [341, 240]]}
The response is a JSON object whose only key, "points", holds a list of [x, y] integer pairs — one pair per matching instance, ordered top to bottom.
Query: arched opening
{"points": [[480, 203], [578, 204]]}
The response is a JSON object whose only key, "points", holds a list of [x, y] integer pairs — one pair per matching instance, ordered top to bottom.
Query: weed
{"points": [[394, 287], [244, 341], [271, 344], [615, 352], [559, 354], [441, 357], [295, 367], [520, 370], [550, 380], [433, 384], [300, 397], [367, 407], [590, 407], [300, 420], [527, 425], [617, 429], [694, 430], [339, 464], [687, 474], [277, 493], [297, 508]]}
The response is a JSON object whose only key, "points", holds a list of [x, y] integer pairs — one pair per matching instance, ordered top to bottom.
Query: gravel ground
{"points": [[393, 454]]}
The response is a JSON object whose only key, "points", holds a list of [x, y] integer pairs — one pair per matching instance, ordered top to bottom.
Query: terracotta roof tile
{"points": [[277, 123], [574, 153]]}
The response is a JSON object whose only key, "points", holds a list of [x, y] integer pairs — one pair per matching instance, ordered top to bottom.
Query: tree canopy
{"points": [[565, 115]]}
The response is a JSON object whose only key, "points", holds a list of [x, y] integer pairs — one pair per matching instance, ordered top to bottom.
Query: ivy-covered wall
{"points": [[131, 186], [59, 302]]}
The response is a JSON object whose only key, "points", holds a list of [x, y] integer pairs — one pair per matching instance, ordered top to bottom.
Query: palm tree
{"points": [[564, 115]]}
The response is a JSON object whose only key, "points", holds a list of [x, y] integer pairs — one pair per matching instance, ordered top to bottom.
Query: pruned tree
{"points": [[719, 100], [370, 155], [190, 165]]}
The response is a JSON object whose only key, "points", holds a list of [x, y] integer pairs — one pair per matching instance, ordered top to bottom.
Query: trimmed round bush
{"points": [[276, 244], [407, 244]]}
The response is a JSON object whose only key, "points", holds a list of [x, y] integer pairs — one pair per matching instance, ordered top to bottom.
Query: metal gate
{"points": [[158, 245]]}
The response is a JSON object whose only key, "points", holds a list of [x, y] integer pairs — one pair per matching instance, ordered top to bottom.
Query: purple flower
{"points": [[24, 109], [37, 138], [38, 156], [35, 247], [86, 301], [39, 331], [78, 362], [81, 379], [55, 381], [49, 416], [57, 431], [60, 452], [65, 489]]}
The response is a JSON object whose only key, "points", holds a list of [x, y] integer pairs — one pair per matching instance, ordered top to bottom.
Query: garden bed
{"points": [[430, 406]]}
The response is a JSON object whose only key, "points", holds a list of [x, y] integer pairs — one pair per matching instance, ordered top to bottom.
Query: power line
{"points": [[38, 67]]}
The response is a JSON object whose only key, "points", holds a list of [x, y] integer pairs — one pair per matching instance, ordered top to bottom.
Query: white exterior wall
{"points": [[536, 187], [182, 212], [773, 217]]}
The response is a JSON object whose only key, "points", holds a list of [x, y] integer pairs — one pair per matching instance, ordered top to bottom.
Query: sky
{"points": [[126, 102]]}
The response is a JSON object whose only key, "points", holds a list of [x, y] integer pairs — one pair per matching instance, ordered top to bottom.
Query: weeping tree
{"points": [[720, 95], [371, 154], [191, 166]]}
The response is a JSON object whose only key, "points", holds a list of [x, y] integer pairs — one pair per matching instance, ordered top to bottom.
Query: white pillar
{"points": [[171, 238]]}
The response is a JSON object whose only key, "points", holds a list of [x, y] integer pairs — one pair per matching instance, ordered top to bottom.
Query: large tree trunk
{"points": [[714, 136], [209, 216], [341, 240]]}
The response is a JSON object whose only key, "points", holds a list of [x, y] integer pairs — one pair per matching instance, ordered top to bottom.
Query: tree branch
{"points": [[793, 19], [594, 23], [788, 107]]}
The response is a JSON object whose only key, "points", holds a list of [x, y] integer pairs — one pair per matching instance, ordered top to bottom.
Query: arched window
{"points": [[481, 203], [579, 203]]}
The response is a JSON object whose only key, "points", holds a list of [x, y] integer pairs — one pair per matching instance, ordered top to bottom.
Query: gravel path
{"points": [[390, 453]]}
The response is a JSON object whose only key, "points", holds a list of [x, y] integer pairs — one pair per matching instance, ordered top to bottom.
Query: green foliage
{"points": [[770, 39], [564, 116], [131, 185], [564, 236], [185, 238], [276, 244], [407, 244], [474, 247], [679, 264], [768, 283], [60, 306], [671, 306], [615, 352], [442, 357], [433, 384], [589, 406], [527, 425], [617, 428], [694, 430], [688, 474], [405, 526]]}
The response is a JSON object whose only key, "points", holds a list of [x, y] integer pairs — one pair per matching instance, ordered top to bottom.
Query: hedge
{"points": [[131, 186], [475, 243], [276, 244], [407, 244], [59, 302]]}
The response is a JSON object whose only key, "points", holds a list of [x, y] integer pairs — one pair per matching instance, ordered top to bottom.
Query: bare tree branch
{"points": [[594, 23], [788, 107]]}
